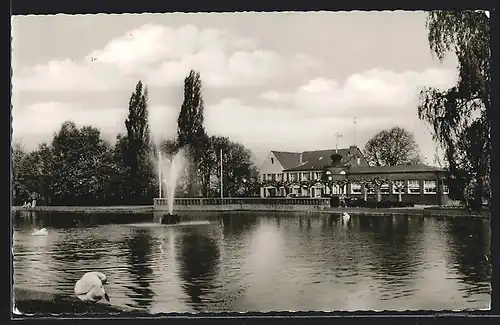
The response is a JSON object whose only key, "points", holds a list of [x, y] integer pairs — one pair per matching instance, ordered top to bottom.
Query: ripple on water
{"points": [[190, 266]]}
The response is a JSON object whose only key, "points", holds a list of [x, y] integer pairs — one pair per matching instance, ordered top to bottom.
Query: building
{"points": [[332, 172]]}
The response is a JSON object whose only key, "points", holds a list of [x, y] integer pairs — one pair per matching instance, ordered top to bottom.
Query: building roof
{"points": [[287, 159], [316, 160], [417, 168]]}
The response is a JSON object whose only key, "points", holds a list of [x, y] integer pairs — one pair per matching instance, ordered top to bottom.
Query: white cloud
{"points": [[162, 56], [371, 93], [38, 122], [260, 128], [281, 128]]}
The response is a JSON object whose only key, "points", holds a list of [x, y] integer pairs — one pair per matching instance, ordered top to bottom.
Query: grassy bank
{"points": [[90, 209], [418, 210], [36, 303]]}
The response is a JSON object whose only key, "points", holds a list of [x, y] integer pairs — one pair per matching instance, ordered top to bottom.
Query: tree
{"points": [[463, 112], [190, 130], [169, 147], [392, 147], [136, 148], [82, 166], [43, 168], [239, 173], [372, 183], [377, 183], [367, 185], [399, 185], [18, 186]]}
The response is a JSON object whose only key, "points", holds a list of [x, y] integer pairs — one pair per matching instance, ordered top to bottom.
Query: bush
{"points": [[334, 201], [355, 202], [394, 204]]}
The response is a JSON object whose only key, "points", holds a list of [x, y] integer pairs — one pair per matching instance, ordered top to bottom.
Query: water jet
{"points": [[169, 172]]}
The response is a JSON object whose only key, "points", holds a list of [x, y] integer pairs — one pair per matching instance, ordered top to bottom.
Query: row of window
{"points": [[292, 176], [412, 187]]}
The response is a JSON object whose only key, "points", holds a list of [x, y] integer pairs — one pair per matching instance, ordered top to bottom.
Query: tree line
{"points": [[79, 167]]}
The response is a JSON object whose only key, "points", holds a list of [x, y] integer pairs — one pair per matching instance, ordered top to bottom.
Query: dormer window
{"points": [[272, 160], [359, 161]]}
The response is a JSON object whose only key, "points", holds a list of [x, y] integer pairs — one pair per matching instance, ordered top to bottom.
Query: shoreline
{"points": [[427, 211], [33, 303]]}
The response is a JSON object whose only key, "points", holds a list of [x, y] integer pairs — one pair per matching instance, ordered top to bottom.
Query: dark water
{"points": [[262, 262]]}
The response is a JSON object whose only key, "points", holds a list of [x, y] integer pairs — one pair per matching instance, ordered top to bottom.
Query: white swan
{"points": [[345, 217], [39, 232], [90, 287]]}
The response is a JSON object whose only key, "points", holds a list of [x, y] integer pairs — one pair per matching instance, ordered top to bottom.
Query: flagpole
{"points": [[159, 173], [221, 186]]}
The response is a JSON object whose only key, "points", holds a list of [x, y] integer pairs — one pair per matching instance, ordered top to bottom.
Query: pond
{"points": [[261, 261]]}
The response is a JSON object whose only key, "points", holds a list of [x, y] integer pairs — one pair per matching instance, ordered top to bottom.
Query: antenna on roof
{"points": [[354, 131], [337, 135]]}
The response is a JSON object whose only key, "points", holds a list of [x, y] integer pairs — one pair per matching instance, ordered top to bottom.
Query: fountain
{"points": [[169, 173]]}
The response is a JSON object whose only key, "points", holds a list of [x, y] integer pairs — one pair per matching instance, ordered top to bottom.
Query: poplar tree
{"points": [[191, 133], [136, 147]]}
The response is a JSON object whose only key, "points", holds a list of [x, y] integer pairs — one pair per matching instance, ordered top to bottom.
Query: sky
{"points": [[271, 81]]}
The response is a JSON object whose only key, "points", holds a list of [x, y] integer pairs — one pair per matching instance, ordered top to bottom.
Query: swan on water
{"points": [[345, 217], [39, 232], [90, 288]]}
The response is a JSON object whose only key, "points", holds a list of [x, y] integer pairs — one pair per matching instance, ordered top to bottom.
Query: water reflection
{"points": [[236, 224], [139, 245], [468, 249], [199, 255], [397, 255], [244, 261]]}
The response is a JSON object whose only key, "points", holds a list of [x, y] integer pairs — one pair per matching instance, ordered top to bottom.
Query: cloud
{"points": [[162, 56], [371, 93], [38, 122], [295, 123], [259, 127], [281, 128]]}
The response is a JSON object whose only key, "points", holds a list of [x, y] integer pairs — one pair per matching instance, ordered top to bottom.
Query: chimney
{"points": [[353, 149]]}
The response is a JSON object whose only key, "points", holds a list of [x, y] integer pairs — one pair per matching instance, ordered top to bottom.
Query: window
{"points": [[272, 160], [359, 161], [305, 176], [273, 177], [279, 177], [398, 186], [413, 187], [430, 187], [337, 189], [355, 189], [384, 189], [370, 190], [446, 190]]}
